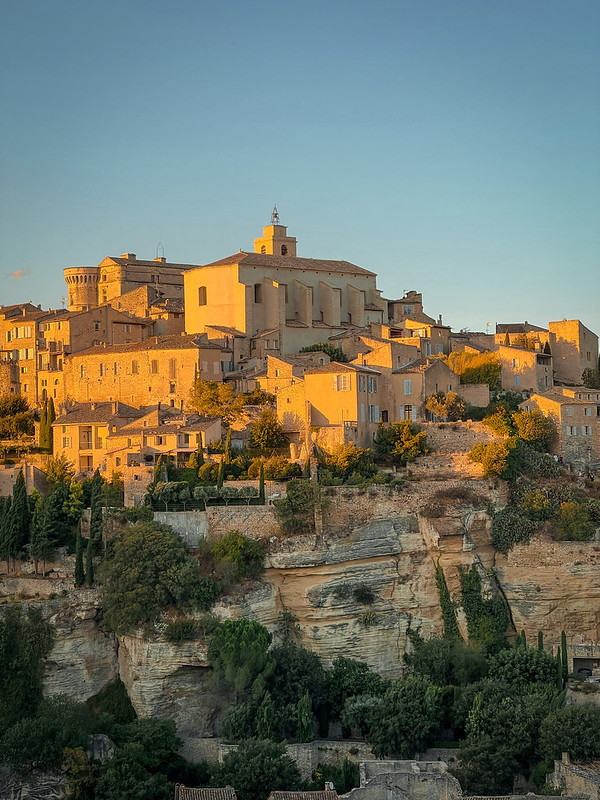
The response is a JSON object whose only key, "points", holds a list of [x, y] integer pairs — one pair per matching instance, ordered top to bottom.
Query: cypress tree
{"points": [[507, 339], [51, 417], [44, 427], [200, 451], [227, 453], [306, 471], [220, 475], [261, 484], [22, 514], [46, 519], [96, 519], [5, 528], [89, 563], [79, 572], [523, 640], [540, 640], [564, 653], [560, 683], [265, 718], [305, 732]]}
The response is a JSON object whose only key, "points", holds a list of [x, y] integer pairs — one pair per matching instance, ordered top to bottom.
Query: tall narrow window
{"points": [[263, 249], [284, 250], [258, 293], [202, 295], [154, 367], [172, 367]]}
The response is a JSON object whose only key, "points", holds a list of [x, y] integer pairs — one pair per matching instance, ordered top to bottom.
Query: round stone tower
{"points": [[82, 286]]}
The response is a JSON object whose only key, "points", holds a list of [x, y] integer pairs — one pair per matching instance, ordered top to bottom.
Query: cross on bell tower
{"points": [[275, 241]]}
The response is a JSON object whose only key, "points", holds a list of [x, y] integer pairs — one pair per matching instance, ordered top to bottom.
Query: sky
{"points": [[451, 146]]}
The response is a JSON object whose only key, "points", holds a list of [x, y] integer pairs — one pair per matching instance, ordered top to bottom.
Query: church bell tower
{"points": [[275, 241]]}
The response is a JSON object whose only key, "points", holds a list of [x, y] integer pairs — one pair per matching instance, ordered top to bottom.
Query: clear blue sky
{"points": [[452, 146]]}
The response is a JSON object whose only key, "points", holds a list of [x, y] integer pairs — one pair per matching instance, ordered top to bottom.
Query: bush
{"points": [[449, 406], [500, 422], [533, 427], [266, 433], [401, 443], [348, 459], [498, 459], [208, 473], [295, 513], [574, 524], [511, 527], [246, 555], [147, 570], [181, 630], [521, 666], [113, 700], [574, 730], [256, 768]]}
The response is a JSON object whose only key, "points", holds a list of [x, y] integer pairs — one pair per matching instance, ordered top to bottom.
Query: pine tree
{"points": [[51, 418], [227, 452], [261, 484], [89, 563], [79, 572], [540, 640]]}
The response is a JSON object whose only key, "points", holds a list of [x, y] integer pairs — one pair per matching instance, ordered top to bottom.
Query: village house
{"points": [[574, 348], [157, 370], [525, 370], [283, 371], [417, 380], [343, 401], [575, 411], [81, 431]]}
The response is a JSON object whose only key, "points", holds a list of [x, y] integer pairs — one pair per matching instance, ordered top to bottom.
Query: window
{"points": [[263, 249], [284, 250], [258, 293], [202, 295], [408, 309], [96, 326], [127, 328], [427, 348], [439, 348], [154, 366], [134, 367], [172, 367], [115, 368], [101, 370], [82, 371], [276, 373], [517, 380], [341, 383], [362, 384], [371, 385], [408, 386], [172, 387], [569, 410], [362, 412], [408, 412], [587, 412], [374, 414], [384, 415], [571, 430], [586, 430], [159, 440], [66, 442], [118, 461]]}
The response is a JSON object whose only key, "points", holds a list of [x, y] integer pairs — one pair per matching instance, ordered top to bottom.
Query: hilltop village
{"points": [[266, 532]]}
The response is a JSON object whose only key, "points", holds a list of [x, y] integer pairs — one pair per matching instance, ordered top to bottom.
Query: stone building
{"points": [[89, 287], [280, 301], [574, 348], [157, 370], [525, 370], [417, 380], [342, 400], [575, 411]]}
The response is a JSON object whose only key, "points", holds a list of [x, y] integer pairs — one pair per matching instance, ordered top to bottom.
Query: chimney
{"points": [[129, 256], [161, 260], [440, 319], [159, 405], [181, 405], [92, 406], [114, 406]]}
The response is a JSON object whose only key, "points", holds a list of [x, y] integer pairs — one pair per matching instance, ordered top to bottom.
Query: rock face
{"points": [[355, 588], [84, 658], [171, 682]]}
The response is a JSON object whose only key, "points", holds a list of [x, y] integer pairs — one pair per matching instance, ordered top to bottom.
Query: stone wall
{"points": [[256, 522], [191, 525], [308, 755]]}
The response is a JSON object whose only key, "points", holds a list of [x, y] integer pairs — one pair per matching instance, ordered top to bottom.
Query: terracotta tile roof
{"points": [[137, 262], [290, 262], [518, 327], [228, 331], [155, 343], [336, 366], [413, 366], [85, 413], [223, 793], [328, 794]]}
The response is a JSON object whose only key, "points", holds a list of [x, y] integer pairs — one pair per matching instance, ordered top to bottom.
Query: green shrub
{"points": [[401, 443], [208, 473], [573, 523], [511, 527], [246, 555], [181, 630], [113, 700]]}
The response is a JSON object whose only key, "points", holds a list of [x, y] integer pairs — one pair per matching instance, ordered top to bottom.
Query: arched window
{"points": [[263, 249], [284, 250], [258, 293], [202, 295]]}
